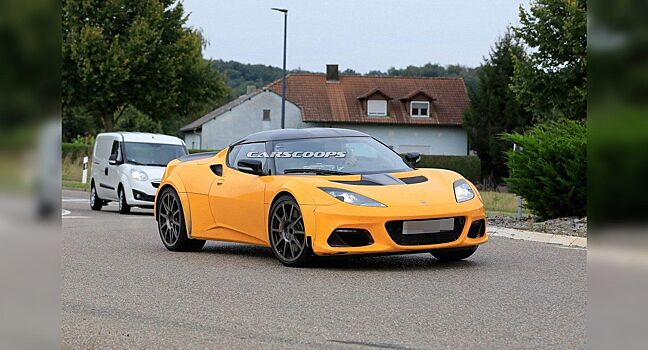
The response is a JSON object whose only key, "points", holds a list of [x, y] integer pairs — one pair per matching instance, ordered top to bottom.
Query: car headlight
{"points": [[139, 175], [462, 190], [351, 197]]}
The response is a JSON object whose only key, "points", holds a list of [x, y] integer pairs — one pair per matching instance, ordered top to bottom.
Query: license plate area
{"points": [[417, 227]]}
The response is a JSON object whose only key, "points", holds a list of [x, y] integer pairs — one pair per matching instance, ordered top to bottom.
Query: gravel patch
{"points": [[569, 226]]}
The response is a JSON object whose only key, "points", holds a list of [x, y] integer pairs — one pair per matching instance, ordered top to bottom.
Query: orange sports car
{"points": [[318, 192]]}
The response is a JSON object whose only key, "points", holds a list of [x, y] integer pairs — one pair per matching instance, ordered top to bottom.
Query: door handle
{"points": [[106, 171], [220, 181]]}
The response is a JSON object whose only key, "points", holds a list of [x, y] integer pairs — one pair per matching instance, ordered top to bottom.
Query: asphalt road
{"points": [[123, 289]]}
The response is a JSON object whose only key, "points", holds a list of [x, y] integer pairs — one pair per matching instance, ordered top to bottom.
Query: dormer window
{"points": [[375, 102], [377, 108], [420, 108]]}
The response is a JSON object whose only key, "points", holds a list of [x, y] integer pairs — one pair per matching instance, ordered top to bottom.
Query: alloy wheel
{"points": [[169, 222], [287, 234]]}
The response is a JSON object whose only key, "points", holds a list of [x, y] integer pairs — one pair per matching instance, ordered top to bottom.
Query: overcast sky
{"points": [[360, 34]]}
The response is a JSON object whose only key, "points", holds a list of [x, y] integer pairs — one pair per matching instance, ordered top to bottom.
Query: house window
{"points": [[377, 108], [420, 109], [266, 114]]}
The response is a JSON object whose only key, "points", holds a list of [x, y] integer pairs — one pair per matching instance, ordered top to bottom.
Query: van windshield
{"points": [[152, 154]]}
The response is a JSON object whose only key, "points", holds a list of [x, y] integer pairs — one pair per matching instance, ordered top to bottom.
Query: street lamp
{"points": [[283, 79]]}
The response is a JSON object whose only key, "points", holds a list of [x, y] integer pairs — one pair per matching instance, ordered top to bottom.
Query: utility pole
{"points": [[283, 79]]}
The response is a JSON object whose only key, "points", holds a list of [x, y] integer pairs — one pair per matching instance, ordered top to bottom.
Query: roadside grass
{"points": [[71, 168], [499, 203]]}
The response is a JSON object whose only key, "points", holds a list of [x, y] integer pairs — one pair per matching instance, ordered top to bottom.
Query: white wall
{"points": [[247, 118], [426, 139], [192, 140]]}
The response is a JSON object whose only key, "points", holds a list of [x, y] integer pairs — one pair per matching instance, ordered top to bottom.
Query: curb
{"points": [[569, 241]]}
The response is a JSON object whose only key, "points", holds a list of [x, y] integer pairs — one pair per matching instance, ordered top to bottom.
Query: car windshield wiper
{"points": [[315, 171]]}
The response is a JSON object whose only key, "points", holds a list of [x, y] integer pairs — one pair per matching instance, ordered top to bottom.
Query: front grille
{"points": [[477, 229], [395, 231], [350, 237]]}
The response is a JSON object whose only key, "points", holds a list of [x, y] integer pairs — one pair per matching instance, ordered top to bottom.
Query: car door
{"points": [[111, 170], [236, 199]]}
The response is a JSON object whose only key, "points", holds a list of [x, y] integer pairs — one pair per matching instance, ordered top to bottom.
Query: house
{"points": [[406, 113]]}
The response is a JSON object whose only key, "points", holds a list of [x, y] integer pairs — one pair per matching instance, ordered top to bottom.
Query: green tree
{"points": [[122, 53], [552, 81], [494, 109]]}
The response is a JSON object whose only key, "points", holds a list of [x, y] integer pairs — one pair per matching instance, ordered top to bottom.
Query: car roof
{"points": [[290, 134], [128, 136]]}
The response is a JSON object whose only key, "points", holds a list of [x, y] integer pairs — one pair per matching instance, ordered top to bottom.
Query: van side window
{"points": [[115, 153]]}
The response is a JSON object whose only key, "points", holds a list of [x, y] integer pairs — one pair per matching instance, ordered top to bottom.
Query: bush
{"points": [[75, 150], [468, 166], [550, 171]]}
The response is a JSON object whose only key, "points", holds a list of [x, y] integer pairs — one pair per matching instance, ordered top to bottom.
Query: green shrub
{"points": [[75, 150], [468, 166], [550, 170]]}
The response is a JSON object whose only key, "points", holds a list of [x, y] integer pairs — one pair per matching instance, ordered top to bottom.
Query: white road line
{"points": [[79, 200], [65, 212], [74, 217]]}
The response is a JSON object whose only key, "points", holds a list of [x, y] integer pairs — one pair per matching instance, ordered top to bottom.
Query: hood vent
{"points": [[384, 180]]}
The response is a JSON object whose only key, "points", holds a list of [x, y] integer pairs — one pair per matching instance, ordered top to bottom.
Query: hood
{"points": [[412, 188]]}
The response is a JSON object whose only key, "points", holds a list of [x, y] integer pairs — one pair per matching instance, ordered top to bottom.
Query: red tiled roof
{"points": [[337, 102]]}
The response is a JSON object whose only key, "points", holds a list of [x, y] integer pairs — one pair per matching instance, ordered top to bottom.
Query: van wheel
{"points": [[95, 202], [124, 208]]}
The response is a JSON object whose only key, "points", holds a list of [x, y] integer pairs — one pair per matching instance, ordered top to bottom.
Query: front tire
{"points": [[95, 202], [124, 208], [171, 224], [287, 234], [454, 255]]}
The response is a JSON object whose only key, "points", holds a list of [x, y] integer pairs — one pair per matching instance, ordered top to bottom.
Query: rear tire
{"points": [[95, 202], [124, 208], [171, 224], [454, 255]]}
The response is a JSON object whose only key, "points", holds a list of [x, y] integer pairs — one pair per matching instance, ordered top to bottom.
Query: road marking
{"points": [[78, 200], [65, 212], [74, 217], [569, 241]]}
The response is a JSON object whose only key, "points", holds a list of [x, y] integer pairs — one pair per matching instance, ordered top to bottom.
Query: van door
{"points": [[100, 156], [111, 171]]}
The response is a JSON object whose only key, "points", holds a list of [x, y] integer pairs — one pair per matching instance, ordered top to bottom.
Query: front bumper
{"points": [[141, 193], [322, 221]]}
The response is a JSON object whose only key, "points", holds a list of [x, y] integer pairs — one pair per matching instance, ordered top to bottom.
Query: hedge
{"points": [[75, 150], [468, 166], [550, 171]]}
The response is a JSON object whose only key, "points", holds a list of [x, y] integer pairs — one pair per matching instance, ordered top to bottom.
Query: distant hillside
{"points": [[239, 75]]}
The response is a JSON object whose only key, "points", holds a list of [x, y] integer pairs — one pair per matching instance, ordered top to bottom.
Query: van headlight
{"points": [[139, 175], [462, 190], [351, 197]]}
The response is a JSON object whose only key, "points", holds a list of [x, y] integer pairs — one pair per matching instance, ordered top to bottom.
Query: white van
{"points": [[127, 168]]}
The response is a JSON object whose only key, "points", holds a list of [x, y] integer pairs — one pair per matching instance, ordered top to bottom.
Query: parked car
{"points": [[127, 168], [318, 192]]}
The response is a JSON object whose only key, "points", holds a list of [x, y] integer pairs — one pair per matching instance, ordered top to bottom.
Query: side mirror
{"points": [[413, 158], [113, 160], [250, 166]]}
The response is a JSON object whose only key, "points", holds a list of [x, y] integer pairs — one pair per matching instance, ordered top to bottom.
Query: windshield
{"points": [[152, 154], [351, 155]]}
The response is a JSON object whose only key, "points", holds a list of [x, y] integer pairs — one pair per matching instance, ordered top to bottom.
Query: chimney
{"points": [[332, 73], [250, 89]]}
